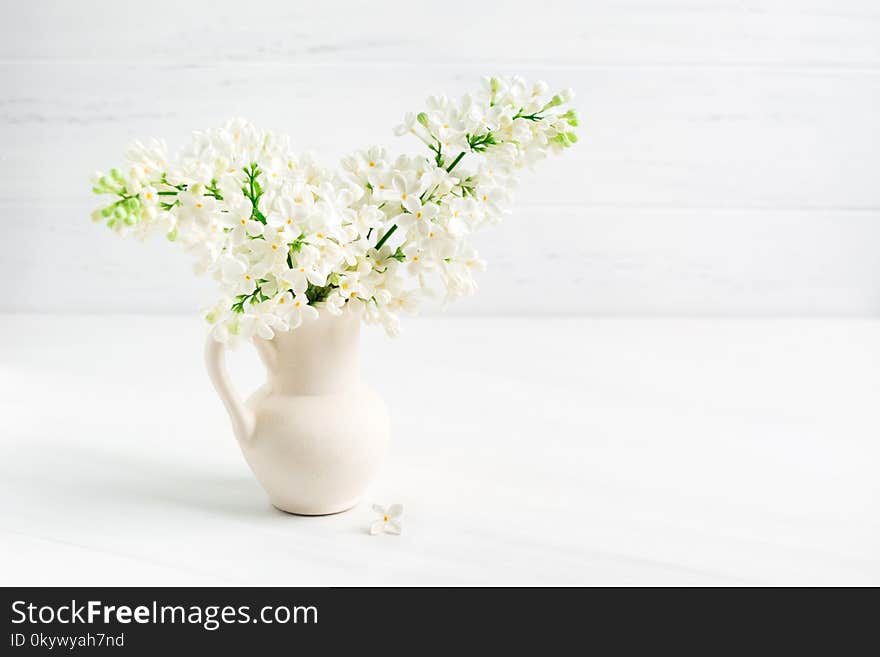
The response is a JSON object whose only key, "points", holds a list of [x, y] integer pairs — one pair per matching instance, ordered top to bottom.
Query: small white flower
{"points": [[409, 125], [379, 180], [405, 187], [149, 196], [196, 207], [418, 216], [368, 217], [235, 275], [299, 277], [350, 286], [334, 303], [294, 310], [389, 520]]}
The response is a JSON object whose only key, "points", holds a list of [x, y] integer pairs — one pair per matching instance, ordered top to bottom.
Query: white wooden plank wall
{"points": [[728, 164]]}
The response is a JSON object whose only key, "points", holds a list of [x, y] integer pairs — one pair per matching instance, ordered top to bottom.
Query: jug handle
{"points": [[242, 417]]}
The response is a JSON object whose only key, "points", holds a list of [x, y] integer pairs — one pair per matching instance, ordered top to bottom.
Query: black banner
{"points": [[151, 621]]}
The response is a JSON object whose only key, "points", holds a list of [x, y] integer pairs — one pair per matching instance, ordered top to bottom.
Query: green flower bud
{"points": [[554, 102], [422, 118], [572, 137], [117, 176], [107, 211], [120, 212], [172, 235]]}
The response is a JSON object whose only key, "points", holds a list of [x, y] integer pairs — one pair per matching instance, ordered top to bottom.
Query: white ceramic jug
{"points": [[314, 435]]}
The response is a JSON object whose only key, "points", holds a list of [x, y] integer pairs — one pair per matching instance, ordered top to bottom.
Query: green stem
{"points": [[535, 116], [455, 162], [253, 192], [385, 237]]}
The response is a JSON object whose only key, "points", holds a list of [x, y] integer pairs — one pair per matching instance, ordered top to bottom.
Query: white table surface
{"points": [[557, 451]]}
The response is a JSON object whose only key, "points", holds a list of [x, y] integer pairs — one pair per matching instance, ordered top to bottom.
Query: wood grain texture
{"points": [[563, 33], [728, 163]]}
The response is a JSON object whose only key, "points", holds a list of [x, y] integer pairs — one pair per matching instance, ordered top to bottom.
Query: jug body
{"points": [[314, 434]]}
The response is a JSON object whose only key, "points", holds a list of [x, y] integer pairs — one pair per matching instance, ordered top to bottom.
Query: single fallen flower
{"points": [[389, 521]]}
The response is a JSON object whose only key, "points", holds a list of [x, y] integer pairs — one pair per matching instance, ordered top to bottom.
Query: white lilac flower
{"points": [[410, 125], [405, 185], [417, 216], [367, 218], [287, 239], [235, 275], [302, 275], [349, 285], [335, 302], [293, 310], [389, 520]]}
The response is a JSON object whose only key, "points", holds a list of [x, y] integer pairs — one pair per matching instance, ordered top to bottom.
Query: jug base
{"points": [[315, 511]]}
